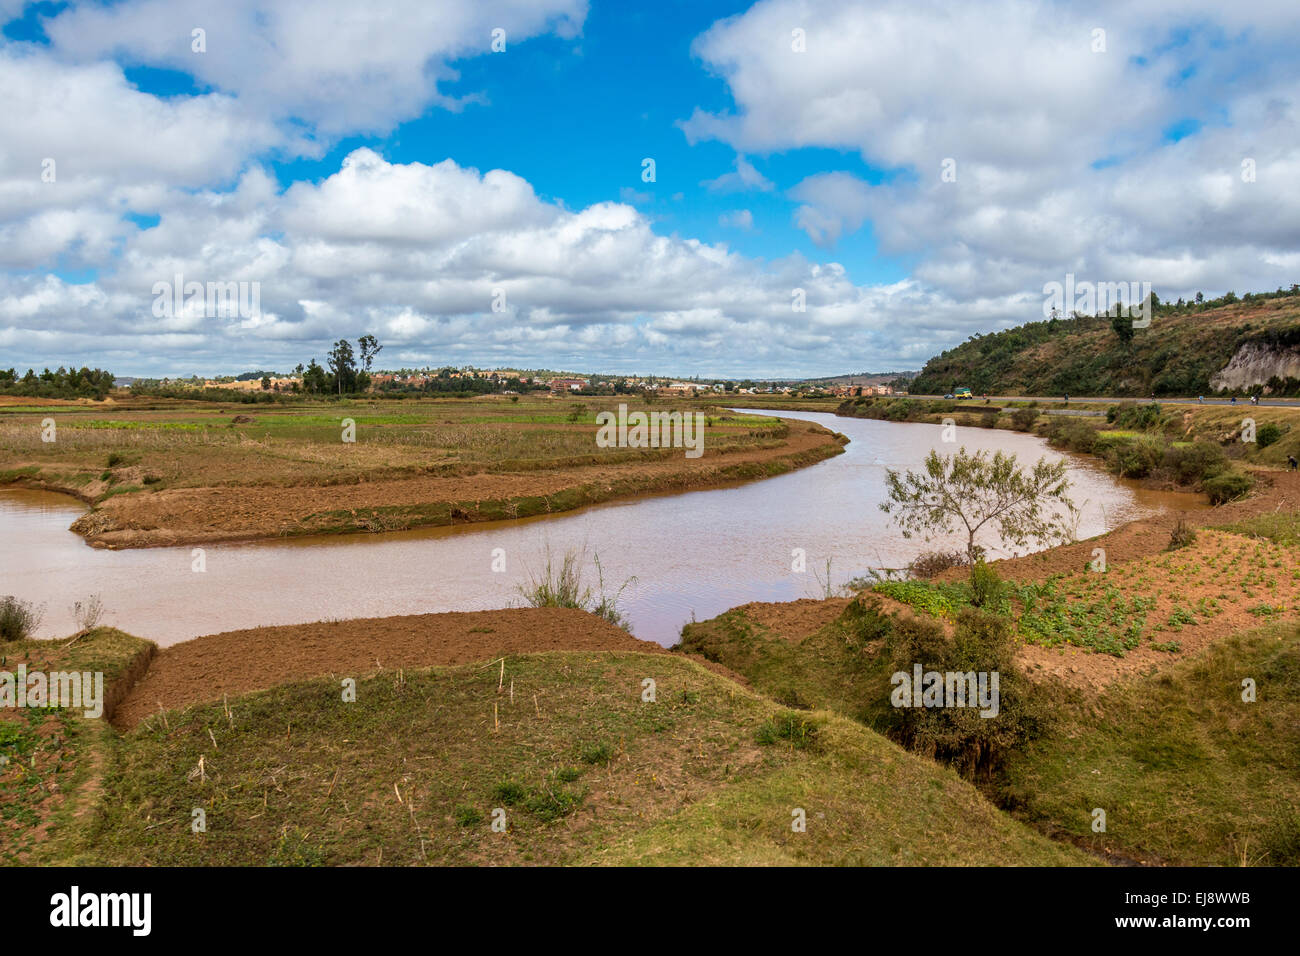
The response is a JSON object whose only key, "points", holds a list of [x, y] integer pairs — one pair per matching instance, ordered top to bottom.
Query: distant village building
{"points": [[255, 385], [562, 385], [851, 390]]}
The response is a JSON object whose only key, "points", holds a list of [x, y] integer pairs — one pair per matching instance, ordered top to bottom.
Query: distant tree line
{"points": [[346, 370], [443, 382], [64, 383]]}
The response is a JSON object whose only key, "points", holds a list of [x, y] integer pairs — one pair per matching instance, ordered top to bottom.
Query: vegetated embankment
{"points": [[191, 474], [609, 755]]}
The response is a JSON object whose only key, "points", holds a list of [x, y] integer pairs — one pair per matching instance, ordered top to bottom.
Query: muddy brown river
{"points": [[683, 556]]}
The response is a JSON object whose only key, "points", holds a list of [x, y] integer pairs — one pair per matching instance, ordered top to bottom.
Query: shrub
{"points": [[900, 410], [1138, 417], [1023, 419], [1267, 434], [1074, 435], [1135, 458], [115, 459], [1192, 464], [1228, 486], [1181, 536], [932, 563], [558, 586], [562, 586], [986, 587], [918, 594], [88, 613], [18, 619], [864, 623], [976, 746]]}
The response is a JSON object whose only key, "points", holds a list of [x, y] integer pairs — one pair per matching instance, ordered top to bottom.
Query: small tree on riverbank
{"points": [[973, 492]]}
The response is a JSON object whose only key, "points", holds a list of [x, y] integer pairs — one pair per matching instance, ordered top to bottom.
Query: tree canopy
{"points": [[973, 492]]}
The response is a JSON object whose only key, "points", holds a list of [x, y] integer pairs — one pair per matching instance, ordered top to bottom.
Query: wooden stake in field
{"points": [[496, 722]]}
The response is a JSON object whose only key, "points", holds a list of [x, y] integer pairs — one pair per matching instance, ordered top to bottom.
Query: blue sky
{"points": [[577, 116], [342, 159]]}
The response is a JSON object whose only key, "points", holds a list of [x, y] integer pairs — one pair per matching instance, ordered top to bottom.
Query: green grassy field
{"points": [[154, 445], [52, 760], [580, 769], [1185, 769]]}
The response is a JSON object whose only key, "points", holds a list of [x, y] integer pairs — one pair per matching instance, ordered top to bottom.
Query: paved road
{"points": [[1279, 402]]}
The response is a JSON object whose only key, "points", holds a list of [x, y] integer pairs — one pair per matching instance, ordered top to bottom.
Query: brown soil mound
{"points": [[795, 620], [238, 662]]}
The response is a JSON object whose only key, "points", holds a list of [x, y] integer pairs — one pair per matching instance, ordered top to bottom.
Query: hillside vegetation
{"points": [[1184, 347], [1186, 771]]}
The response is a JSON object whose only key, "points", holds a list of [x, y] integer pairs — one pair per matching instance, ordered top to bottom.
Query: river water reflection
{"points": [[692, 555]]}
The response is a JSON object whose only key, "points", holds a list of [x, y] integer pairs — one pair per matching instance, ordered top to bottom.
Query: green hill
{"points": [[1183, 350]]}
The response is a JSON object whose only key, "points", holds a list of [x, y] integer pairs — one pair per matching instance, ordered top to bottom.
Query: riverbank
{"points": [[1212, 449], [189, 475], [1240, 569], [1153, 673], [1160, 687], [251, 726], [592, 757]]}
